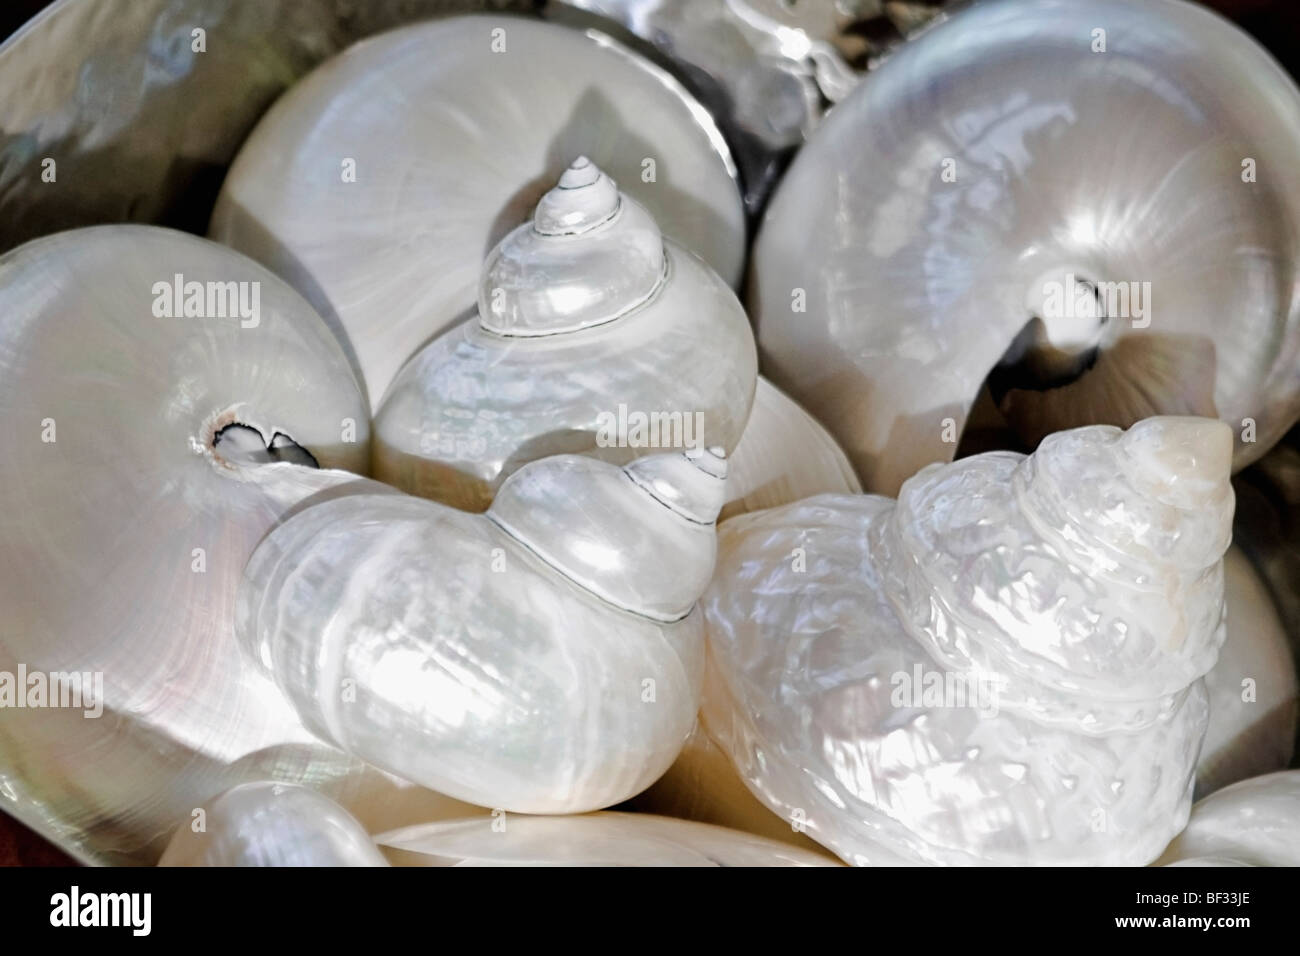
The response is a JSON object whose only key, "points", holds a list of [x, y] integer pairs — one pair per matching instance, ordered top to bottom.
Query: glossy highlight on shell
{"points": [[377, 184], [1103, 227], [589, 323], [543, 657], [1003, 666], [1251, 823], [271, 824], [594, 839]]}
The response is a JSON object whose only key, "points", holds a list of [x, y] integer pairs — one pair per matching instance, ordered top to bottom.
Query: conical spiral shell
{"points": [[377, 184], [594, 335], [543, 657], [953, 678]]}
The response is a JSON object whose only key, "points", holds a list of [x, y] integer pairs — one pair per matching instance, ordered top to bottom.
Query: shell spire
{"points": [[590, 255], [575, 512]]}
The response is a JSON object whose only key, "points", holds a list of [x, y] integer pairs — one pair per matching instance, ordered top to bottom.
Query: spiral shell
{"points": [[377, 184], [952, 220], [590, 324], [133, 499], [544, 657], [1002, 666], [1251, 823], [271, 824], [594, 839]]}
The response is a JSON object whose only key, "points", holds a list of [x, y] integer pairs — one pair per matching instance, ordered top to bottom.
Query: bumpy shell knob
{"points": [[962, 218], [594, 335], [543, 657], [989, 667], [271, 824], [594, 839]]}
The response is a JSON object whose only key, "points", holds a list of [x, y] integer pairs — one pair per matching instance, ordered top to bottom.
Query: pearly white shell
{"points": [[456, 127], [915, 236], [594, 335], [784, 455], [124, 532], [1089, 616], [543, 657], [1252, 687], [1251, 823], [271, 824], [595, 839]]}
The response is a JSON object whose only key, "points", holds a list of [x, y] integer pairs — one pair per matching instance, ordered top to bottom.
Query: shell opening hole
{"points": [[237, 443]]}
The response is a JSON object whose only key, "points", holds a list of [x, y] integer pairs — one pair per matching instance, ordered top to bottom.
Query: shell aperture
{"points": [[1072, 194], [135, 402], [543, 657], [988, 669]]}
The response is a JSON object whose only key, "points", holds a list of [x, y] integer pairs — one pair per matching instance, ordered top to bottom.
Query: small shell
{"points": [[454, 128], [953, 216], [590, 325], [128, 519], [543, 657], [986, 669], [1251, 823], [271, 824], [596, 839]]}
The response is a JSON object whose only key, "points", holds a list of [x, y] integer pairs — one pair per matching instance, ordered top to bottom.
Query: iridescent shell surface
{"points": [[456, 127], [918, 240], [588, 322], [127, 525], [1061, 607], [543, 657], [1251, 823], [271, 824], [594, 839]]}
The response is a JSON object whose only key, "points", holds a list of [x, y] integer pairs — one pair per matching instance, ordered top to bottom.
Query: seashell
{"points": [[453, 129], [953, 219], [590, 326], [784, 455], [133, 500], [543, 657], [1003, 666], [1252, 687], [1251, 823], [271, 824], [594, 839]]}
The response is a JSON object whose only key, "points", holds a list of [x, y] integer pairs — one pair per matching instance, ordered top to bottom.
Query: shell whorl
{"points": [[590, 255], [639, 537], [1102, 553]]}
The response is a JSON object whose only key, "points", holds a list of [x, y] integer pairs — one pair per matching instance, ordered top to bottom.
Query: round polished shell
{"points": [[378, 185], [1098, 202], [135, 493]]}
